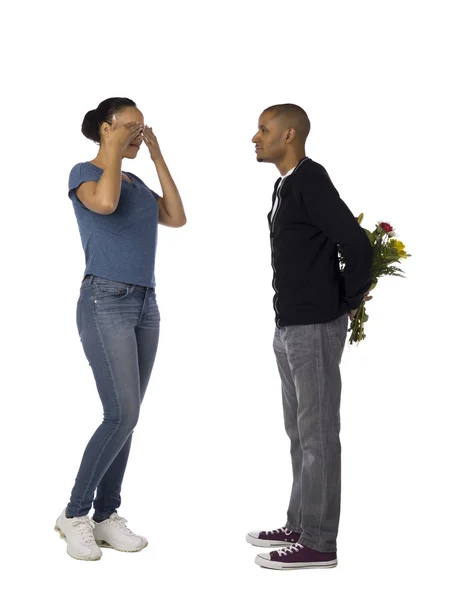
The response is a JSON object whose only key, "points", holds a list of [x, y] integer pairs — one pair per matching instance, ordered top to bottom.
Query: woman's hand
{"points": [[120, 137], [151, 143]]}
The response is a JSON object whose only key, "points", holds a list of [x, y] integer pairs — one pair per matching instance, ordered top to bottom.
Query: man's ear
{"points": [[290, 135]]}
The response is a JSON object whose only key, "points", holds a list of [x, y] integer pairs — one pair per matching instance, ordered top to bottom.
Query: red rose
{"points": [[386, 227]]}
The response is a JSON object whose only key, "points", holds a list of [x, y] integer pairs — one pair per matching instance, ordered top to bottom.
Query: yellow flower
{"points": [[399, 247]]}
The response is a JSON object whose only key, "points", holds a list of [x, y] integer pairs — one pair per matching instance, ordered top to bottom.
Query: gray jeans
{"points": [[308, 358]]}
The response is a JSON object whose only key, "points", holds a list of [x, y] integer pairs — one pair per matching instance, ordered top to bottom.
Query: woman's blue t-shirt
{"points": [[120, 246]]}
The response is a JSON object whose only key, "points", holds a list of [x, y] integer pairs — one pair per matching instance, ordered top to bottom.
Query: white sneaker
{"points": [[78, 533], [113, 533]]}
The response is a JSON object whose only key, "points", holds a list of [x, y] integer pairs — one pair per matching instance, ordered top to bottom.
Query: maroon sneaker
{"points": [[277, 537], [297, 556]]}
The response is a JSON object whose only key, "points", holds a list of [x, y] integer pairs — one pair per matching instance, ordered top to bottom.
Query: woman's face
{"points": [[130, 115]]}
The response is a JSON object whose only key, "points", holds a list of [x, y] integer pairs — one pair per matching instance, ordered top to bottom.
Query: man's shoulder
{"points": [[310, 167], [310, 171]]}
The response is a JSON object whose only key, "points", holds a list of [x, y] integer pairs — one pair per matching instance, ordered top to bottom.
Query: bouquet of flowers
{"points": [[387, 251]]}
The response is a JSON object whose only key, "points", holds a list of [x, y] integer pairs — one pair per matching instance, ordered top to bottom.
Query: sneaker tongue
{"points": [[115, 517]]}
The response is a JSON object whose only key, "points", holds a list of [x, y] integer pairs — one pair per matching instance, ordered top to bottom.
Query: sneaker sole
{"points": [[63, 537], [266, 543], [102, 544], [274, 564]]}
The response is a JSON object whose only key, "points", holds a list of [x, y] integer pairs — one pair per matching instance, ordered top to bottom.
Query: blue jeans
{"points": [[118, 324], [308, 359]]}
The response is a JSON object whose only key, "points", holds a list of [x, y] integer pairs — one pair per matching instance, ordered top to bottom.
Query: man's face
{"points": [[270, 139]]}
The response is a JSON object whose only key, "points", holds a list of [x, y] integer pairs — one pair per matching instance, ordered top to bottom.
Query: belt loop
{"points": [[91, 277]]}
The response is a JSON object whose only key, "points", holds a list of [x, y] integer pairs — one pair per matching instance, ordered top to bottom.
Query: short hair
{"points": [[104, 112], [293, 116]]}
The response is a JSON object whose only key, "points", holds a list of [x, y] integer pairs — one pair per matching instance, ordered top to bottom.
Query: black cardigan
{"points": [[309, 222]]}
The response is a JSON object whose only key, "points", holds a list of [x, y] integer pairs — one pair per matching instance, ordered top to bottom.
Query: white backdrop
{"points": [[210, 458]]}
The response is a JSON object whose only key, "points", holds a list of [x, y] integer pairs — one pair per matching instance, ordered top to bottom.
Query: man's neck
{"points": [[290, 162]]}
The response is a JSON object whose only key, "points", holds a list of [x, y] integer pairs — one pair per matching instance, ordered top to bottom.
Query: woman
{"points": [[117, 314]]}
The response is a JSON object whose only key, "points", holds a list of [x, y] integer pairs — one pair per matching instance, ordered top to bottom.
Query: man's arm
{"points": [[330, 214]]}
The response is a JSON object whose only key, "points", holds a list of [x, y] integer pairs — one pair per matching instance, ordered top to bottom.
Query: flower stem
{"points": [[357, 325]]}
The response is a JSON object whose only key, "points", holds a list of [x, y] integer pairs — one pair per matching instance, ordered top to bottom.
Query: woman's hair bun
{"points": [[90, 126]]}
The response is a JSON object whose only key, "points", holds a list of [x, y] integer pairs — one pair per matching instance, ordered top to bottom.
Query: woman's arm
{"points": [[171, 210]]}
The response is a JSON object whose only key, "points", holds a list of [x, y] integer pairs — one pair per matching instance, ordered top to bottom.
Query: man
{"points": [[312, 301]]}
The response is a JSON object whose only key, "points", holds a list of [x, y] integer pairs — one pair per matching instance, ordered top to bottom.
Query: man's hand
{"points": [[353, 311]]}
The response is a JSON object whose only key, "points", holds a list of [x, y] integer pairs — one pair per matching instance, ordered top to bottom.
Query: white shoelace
{"points": [[120, 523], [85, 528], [281, 530], [290, 549]]}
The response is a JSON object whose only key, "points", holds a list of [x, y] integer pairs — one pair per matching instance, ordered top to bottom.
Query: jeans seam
{"points": [[142, 310], [318, 355], [291, 370], [118, 404]]}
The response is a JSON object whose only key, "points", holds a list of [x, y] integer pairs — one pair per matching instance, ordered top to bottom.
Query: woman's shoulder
{"points": [[85, 167], [83, 171]]}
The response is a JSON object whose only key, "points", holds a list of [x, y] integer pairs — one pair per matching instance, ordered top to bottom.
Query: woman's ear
{"points": [[106, 129]]}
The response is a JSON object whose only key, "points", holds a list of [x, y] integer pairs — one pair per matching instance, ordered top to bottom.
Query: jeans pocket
{"points": [[103, 292], [336, 331]]}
